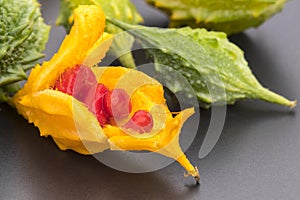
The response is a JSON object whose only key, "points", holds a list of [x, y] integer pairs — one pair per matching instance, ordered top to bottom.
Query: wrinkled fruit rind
{"points": [[120, 9], [229, 16], [23, 37]]}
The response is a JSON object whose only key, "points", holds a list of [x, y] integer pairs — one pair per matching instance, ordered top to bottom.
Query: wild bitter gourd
{"points": [[229, 16], [23, 35]]}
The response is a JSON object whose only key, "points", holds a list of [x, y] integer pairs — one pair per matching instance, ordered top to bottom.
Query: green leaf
{"points": [[123, 10], [230, 16], [23, 36], [209, 62]]}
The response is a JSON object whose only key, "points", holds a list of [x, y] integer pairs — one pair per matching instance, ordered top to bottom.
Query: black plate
{"points": [[257, 156]]}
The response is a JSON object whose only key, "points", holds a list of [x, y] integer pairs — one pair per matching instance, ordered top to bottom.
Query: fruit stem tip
{"points": [[293, 104], [195, 174]]}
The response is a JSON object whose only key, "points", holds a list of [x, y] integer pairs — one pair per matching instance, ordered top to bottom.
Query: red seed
{"points": [[78, 81], [85, 84], [117, 103], [98, 107], [102, 117], [140, 122]]}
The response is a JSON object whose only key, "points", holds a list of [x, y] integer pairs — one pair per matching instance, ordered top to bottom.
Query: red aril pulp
{"points": [[65, 83]]}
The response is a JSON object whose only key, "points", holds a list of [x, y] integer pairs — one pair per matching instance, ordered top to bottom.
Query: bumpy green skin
{"points": [[123, 10], [229, 16], [23, 36], [214, 67]]}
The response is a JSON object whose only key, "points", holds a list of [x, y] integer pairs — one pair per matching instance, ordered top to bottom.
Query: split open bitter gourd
{"points": [[79, 114]]}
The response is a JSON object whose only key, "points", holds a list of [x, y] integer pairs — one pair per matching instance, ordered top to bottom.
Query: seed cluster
{"points": [[107, 105]]}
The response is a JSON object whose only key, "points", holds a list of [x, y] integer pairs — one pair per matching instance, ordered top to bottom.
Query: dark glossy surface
{"points": [[257, 156]]}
